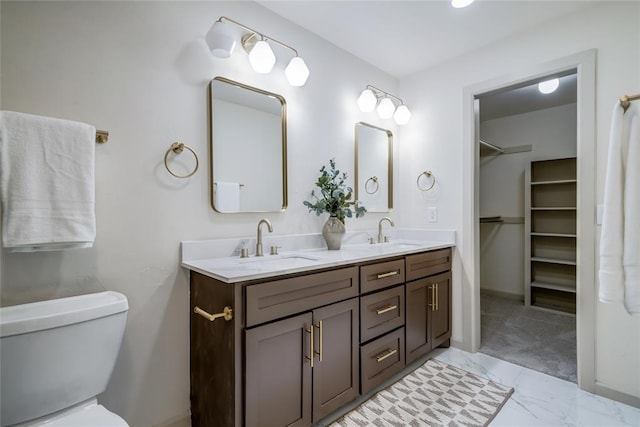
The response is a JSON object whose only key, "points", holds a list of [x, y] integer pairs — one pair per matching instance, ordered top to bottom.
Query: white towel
{"points": [[47, 183], [227, 196], [620, 239]]}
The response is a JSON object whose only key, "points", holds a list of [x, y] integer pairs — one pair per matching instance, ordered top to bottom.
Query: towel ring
{"points": [[178, 147], [428, 174], [374, 179]]}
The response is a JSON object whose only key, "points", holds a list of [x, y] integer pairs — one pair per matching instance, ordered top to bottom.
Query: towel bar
{"points": [[102, 136]]}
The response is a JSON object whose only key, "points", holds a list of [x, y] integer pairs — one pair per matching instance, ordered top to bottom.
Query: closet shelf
{"points": [[559, 181], [554, 234], [550, 235], [553, 260], [553, 286]]}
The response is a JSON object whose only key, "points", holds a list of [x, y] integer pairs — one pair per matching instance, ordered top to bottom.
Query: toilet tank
{"points": [[57, 353]]}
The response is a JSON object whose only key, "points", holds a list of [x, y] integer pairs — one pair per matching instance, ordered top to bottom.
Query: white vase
{"points": [[333, 232]]}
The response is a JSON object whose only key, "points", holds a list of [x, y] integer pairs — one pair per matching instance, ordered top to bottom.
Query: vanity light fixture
{"points": [[221, 42], [386, 108]]}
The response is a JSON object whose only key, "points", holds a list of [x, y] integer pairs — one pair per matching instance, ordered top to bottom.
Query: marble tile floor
{"points": [[540, 399]]}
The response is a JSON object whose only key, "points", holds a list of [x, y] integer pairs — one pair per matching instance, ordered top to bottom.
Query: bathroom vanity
{"points": [[305, 335]]}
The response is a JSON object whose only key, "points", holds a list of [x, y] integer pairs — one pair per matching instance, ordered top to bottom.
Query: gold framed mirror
{"points": [[248, 148], [374, 167]]}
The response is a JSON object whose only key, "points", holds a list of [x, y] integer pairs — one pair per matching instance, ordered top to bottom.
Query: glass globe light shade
{"points": [[220, 40], [262, 58], [297, 72], [548, 86], [367, 101], [385, 108], [402, 115]]}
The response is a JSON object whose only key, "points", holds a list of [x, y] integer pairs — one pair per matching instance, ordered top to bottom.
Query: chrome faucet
{"points": [[380, 237], [259, 240]]}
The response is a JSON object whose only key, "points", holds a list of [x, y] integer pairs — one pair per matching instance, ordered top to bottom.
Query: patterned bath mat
{"points": [[435, 394]]}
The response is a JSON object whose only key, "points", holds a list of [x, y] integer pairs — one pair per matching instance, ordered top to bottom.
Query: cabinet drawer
{"points": [[428, 263], [381, 275], [280, 298], [381, 312], [381, 359]]}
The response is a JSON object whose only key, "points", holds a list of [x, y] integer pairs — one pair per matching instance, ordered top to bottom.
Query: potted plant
{"points": [[334, 198]]}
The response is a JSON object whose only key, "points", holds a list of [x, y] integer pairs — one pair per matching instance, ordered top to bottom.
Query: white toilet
{"points": [[56, 356]]}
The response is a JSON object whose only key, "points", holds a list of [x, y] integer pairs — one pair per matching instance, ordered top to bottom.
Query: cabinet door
{"points": [[441, 312], [417, 325], [336, 364], [278, 373]]}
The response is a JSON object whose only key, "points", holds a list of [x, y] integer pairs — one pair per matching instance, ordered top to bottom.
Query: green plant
{"points": [[334, 196]]}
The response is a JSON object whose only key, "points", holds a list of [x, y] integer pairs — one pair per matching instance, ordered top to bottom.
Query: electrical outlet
{"points": [[432, 214]]}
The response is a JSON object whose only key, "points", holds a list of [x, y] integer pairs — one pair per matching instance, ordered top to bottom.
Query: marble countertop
{"points": [[236, 269]]}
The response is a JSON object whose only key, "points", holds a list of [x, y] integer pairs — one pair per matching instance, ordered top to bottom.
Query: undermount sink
{"points": [[401, 245], [278, 261]]}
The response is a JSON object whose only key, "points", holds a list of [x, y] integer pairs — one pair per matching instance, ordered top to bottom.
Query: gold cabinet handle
{"points": [[389, 274], [435, 285], [432, 304], [386, 309], [227, 314], [312, 352], [390, 352], [319, 353]]}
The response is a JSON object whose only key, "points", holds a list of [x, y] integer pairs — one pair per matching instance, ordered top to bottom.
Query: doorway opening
{"points": [[583, 65], [527, 140]]}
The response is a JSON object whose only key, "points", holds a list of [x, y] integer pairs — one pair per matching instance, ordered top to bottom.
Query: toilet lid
{"points": [[94, 416]]}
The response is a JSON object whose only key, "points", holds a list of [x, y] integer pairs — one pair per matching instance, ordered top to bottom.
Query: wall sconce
{"points": [[221, 42], [372, 96]]}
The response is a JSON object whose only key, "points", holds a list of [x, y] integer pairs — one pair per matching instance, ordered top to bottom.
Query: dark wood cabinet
{"points": [[428, 319], [301, 346], [289, 358], [337, 363], [278, 374]]}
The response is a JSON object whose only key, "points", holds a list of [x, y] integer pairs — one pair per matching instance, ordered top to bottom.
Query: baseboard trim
{"points": [[502, 294], [459, 345], [620, 396], [183, 420]]}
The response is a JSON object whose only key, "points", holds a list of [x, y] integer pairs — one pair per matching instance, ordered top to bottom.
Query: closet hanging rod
{"points": [[625, 100], [490, 145]]}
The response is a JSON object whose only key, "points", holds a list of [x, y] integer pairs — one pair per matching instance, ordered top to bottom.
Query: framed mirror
{"points": [[248, 148], [374, 167]]}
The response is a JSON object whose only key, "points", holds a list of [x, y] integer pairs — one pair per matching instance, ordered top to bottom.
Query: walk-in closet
{"points": [[527, 207]]}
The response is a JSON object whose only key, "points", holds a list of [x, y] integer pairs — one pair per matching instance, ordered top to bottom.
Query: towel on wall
{"points": [[47, 183], [227, 196], [620, 236]]}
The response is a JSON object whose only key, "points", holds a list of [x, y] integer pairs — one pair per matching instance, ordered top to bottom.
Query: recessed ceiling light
{"points": [[461, 3], [548, 86]]}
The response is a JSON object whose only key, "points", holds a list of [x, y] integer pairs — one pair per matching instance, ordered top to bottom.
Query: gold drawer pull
{"points": [[389, 274], [386, 309], [227, 313], [388, 354]]}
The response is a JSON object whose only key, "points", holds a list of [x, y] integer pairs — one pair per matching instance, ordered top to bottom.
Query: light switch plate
{"points": [[599, 211], [432, 214]]}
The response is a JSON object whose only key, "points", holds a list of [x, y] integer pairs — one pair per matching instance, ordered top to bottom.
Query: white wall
{"points": [[137, 70], [551, 134], [434, 137]]}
